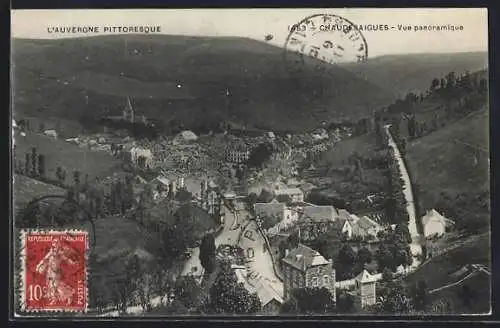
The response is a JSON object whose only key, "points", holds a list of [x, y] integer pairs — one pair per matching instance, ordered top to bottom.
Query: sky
{"points": [[259, 23]]}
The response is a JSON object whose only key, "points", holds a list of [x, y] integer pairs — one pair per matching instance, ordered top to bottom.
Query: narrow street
{"points": [[228, 235], [415, 246], [261, 263]]}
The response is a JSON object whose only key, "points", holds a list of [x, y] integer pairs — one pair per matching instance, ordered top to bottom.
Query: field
{"points": [[66, 155], [457, 155], [26, 189], [437, 271], [441, 271], [480, 302]]}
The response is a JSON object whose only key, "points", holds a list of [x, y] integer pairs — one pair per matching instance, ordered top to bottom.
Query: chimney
{"points": [[286, 252], [298, 257]]}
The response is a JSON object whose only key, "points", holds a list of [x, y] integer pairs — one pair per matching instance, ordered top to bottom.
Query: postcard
{"points": [[264, 162]]}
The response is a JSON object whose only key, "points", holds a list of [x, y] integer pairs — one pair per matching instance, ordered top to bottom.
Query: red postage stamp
{"points": [[54, 271]]}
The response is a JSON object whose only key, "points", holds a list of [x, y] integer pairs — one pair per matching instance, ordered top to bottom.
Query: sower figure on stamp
{"points": [[51, 266]]}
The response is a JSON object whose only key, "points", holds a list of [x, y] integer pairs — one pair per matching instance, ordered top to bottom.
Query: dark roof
{"points": [[268, 209], [319, 213], [304, 257]]}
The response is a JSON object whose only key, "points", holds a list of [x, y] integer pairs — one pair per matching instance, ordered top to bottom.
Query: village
{"points": [[253, 185]]}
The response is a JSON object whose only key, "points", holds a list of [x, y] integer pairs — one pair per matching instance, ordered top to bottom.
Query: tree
{"points": [[450, 80], [434, 84], [260, 155], [34, 160], [27, 165], [41, 165], [59, 174], [76, 177], [171, 194], [184, 196], [265, 196], [284, 199], [250, 201], [179, 234], [207, 253], [364, 255], [384, 257], [346, 261], [387, 274], [126, 284], [186, 289], [420, 295], [227, 296], [394, 299], [309, 301], [345, 303], [442, 306]]}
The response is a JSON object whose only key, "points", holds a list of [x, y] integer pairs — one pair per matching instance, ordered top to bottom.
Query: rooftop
{"points": [[287, 191], [269, 208], [320, 213], [433, 215], [366, 223], [304, 257], [365, 277]]}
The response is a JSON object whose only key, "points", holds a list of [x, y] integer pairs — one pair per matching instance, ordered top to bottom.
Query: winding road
{"points": [[228, 235], [415, 246]]}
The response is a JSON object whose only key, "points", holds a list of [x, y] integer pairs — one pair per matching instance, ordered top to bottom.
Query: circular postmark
{"points": [[322, 40]]}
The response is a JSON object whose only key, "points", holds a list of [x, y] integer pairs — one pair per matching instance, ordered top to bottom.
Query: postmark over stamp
{"points": [[328, 38], [54, 271]]}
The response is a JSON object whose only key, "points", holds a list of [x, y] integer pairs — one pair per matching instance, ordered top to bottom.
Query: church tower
{"points": [[128, 112], [365, 289]]}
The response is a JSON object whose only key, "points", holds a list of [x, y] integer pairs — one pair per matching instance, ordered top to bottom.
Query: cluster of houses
{"points": [[292, 211], [303, 267]]}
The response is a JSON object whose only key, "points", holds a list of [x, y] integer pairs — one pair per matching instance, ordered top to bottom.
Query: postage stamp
{"points": [[328, 38], [54, 271]]}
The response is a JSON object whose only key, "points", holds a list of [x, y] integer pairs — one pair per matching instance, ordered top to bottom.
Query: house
{"points": [[50, 133], [319, 134], [185, 136], [237, 153], [141, 157], [139, 180], [295, 194], [211, 199], [272, 209], [320, 213], [285, 216], [316, 219], [435, 224], [344, 227], [365, 227], [303, 267], [365, 289], [269, 298]]}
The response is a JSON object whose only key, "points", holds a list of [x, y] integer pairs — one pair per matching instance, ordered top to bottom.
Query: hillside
{"points": [[401, 74], [183, 78], [59, 153], [454, 159], [26, 189], [446, 270]]}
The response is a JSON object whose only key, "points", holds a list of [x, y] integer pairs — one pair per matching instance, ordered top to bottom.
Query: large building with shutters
{"points": [[303, 267]]}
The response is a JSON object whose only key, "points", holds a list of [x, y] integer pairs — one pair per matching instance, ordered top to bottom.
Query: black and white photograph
{"points": [[250, 162]]}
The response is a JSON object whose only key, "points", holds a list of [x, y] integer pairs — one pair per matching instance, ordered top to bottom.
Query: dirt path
{"points": [[416, 248]]}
